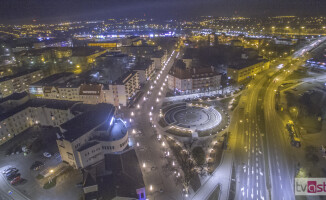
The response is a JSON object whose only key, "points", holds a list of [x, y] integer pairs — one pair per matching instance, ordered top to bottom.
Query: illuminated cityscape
{"points": [[151, 100]]}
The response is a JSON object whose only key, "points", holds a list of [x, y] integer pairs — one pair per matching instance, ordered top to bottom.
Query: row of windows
{"points": [[121, 145], [108, 147]]}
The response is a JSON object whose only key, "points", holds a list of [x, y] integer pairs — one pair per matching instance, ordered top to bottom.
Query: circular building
{"points": [[191, 117]]}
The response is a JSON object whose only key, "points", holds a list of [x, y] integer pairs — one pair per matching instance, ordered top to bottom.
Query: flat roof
{"points": [[86, 51], [245, 63], [142, 65], [18, 74], [124, 78], [53, 79], [14, 96], [34, 103], [83, 123]]}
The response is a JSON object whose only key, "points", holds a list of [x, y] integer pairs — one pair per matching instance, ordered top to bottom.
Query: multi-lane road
{"points": [[249, 145], [262, 152], [264, 170]]}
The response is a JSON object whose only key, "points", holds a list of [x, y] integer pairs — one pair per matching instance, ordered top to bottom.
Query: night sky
{"points": [[59, 10]]}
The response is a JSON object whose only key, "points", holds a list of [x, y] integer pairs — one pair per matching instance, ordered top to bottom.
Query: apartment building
{"points": [[159, 58], [145, 69], [246, 69], [187, 80], [19, 82], [67, 86], [125, 88], [27, 112]]}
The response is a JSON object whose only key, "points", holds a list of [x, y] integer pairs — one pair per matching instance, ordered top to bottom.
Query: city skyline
{"points": [[57, 11]]}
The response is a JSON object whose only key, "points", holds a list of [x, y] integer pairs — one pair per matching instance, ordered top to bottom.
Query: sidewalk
{"points": [[196, 95], [221, 176]]}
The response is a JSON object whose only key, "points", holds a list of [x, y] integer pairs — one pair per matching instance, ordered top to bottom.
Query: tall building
{"points": [[125, 88]]}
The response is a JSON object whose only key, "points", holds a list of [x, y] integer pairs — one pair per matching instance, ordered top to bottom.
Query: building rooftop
{"points": [[86, 51], [158, 54], [243, 63], [143, 64], [179, 70], [21, 73], [124, 78], [54, 79], [90, 89], [14, 96], [34, 103], [85, 122], [116, 132], [125, 178]]}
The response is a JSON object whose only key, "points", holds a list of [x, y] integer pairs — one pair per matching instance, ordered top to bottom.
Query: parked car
{"points": [[47, 154], [37, 165], [7, 170], [12, 171], [12, 176], [15, 180]]}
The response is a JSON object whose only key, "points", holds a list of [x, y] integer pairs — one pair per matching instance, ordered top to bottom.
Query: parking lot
{"points": [[31, 184]]}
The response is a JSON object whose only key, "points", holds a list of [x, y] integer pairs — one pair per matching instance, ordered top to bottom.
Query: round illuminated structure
{"points": [[194, 117]]}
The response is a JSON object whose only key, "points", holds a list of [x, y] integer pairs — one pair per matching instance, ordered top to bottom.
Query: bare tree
{"points": [[188, 168]]}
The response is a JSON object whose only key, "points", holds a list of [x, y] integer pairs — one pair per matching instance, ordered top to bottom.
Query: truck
{"points": [[295, 140]]}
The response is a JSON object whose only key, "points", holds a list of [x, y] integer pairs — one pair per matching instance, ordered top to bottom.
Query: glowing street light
{"points": [[157, 100], [138, 106], [132, 114], [163, 144], [144, 165], [151, 188]]}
